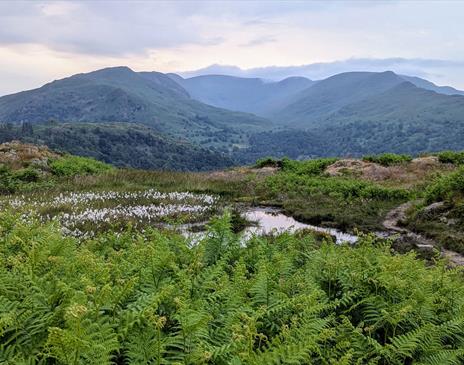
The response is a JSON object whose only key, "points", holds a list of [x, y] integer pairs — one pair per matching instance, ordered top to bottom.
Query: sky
{"points": [[45, 40]]}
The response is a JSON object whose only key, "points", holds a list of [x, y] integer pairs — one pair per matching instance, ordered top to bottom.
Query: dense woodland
{"points": [[355, 139], [123, 145]]}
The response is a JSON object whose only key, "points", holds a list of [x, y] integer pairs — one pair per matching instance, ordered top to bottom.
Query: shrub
{"points": [[453, 157], [388, 159], [268, 162], [76, 165], [307, 167], [27, 175], [7, 182], [446, 187]]}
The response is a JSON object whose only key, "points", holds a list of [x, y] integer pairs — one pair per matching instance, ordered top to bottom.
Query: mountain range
{"points": [[119, 94], [235, 117]]}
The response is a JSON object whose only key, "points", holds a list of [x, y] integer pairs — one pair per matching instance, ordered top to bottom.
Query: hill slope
{"points": [[425, 84], [119, 94], [251, 95], [316, 103], [405, 103], [403, 119], [121, 144]]}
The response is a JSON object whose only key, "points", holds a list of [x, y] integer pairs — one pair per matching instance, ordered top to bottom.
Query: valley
{"points": [[213, 121]]}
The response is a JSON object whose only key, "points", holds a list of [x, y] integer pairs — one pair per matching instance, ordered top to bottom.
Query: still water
{"points": [[271, 220]]}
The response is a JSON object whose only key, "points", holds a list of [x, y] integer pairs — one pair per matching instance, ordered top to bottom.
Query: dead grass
{"points": [[17, 155], [406, 176]]}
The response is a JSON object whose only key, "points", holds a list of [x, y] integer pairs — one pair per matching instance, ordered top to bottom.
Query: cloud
{"points": [[101, 28], [74, 36], [259, 41]]}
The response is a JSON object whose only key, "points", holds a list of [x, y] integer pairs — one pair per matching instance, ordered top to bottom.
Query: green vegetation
{"points": [[121, 144], [453, 157], [388, 159], [268, 162], [75, 165], [46, 174], [11, 181], [447, 188], [304, 191], [443, 219], [94, 270], [152, 298]]}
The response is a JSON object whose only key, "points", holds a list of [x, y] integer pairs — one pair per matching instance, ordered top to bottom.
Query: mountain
{"points": [[323, 70], [425, 84], [119, 94], [252, 95], [405, 103], [311, 106], [402, 119], [156, 120], [121, 144]]}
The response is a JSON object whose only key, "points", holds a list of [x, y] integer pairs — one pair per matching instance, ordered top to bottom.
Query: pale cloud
{"points": [[43, 40]]}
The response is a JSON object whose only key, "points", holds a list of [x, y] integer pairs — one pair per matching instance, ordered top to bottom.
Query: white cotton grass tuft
{"points": [[81, 214]]}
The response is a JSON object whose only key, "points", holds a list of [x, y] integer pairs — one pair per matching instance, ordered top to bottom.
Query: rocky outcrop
{"points": [[16, 155], [368, 170], [406, 240]]}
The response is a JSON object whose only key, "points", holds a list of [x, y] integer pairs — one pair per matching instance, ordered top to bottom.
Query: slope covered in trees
{"points": [[121, 144]]}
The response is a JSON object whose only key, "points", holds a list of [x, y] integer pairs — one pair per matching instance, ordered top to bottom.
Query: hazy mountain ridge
{"points": [[425, 84], [253, 95], [297, 101]]}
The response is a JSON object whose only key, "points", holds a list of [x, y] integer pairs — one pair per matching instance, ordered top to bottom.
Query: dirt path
{"points": [[398, 214]]}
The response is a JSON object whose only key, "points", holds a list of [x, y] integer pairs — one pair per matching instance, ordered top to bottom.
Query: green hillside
{"points": [[121, 95], [405, 103], [310, 107], [121, 144]]}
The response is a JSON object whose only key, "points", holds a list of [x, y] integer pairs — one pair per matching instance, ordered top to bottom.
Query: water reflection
{"points": [[271, 220]]}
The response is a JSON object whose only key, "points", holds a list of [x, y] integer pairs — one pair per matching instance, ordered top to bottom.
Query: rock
{"points": [[17, 155], [426, 162], [368, 170], [433, 207]]}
